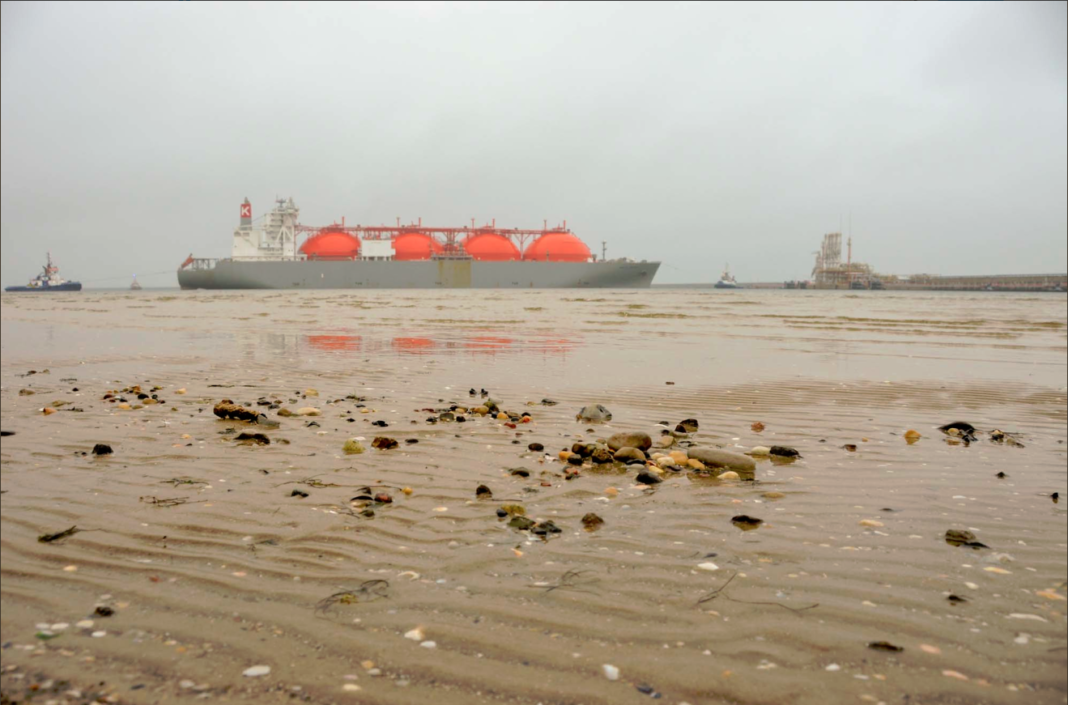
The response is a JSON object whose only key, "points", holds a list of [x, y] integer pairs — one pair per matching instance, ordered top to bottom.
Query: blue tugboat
{"points": [[48, 281]]}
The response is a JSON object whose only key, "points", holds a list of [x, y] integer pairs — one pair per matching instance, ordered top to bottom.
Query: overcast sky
{"points": [[697, 134]]}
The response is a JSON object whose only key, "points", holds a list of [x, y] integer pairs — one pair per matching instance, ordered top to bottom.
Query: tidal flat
{"points": [[323, 566]]}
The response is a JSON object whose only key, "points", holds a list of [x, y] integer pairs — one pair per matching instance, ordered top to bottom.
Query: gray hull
{"points": [[433, 274]]}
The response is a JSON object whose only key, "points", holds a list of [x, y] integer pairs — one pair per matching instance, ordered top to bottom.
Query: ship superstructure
{"points": [[267, 256]]}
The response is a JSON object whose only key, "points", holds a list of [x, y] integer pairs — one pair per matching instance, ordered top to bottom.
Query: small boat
{"points": [[49, 280], [726, 280], [135, 286]]}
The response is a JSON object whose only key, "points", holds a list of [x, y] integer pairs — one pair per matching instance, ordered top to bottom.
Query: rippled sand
{"points": [[851, 550]]}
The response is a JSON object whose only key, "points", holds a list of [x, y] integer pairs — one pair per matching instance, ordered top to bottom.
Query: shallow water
{"points": [[232, 578]]}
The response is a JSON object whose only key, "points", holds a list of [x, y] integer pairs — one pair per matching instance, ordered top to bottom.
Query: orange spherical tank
{"points": [[331, 244], [415, 246], [491, 247], [557, 247]]}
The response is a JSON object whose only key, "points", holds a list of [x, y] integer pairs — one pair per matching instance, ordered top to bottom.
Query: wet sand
{"points": [[851, 550]]}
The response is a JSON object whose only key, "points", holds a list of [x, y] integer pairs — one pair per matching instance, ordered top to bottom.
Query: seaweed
{"points": [[176, 481], [168, 501], [60, 535], [567, 581], [722, 588], [368, 591]]}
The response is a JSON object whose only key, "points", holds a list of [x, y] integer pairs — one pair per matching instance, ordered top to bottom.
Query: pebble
{"points": [[594, 412], [641, 441], [353, 447], [760, 451], [628, 454], [716, 458], [729, 475], [592, 521], [871, 523], [708, 566], [1032, 617], [84, 624], [99, 634], [416, 635], [429, 645], [833, 667], [256, 671], [610, 672], [955, 674], [186, 684], [351, 688]]}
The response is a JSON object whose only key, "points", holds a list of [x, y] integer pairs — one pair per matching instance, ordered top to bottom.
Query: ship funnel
{"points": [[246, 214]]}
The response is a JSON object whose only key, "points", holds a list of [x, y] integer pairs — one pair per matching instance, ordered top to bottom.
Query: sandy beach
{"points": [[199, 570]]}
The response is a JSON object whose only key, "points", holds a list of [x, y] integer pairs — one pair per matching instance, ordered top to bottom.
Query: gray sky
{"points": [[693, 133]]}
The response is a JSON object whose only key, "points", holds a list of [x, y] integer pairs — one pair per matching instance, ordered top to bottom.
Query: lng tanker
{"points": [[265, 255]]}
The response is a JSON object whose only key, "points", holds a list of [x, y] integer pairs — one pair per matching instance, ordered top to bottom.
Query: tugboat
{"points": [[726, 280], [48, 281], [135, 286]]}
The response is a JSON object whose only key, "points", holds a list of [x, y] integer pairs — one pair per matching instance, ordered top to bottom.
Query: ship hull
{"points": [[431, 274], [69, 286]]}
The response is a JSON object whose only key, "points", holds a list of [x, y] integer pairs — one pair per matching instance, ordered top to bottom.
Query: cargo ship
{"points": [[266, 255], [49, 280]]}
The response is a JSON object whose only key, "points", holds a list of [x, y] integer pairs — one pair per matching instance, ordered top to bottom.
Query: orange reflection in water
{"points": [[334, 343], [487, 343], [416, 345], [413, 346]]}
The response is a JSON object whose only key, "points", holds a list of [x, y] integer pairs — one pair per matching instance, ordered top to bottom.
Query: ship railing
{"points": [[270, 258]]}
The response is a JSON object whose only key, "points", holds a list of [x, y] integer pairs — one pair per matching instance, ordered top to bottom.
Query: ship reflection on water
{"points": [[419, 345]]}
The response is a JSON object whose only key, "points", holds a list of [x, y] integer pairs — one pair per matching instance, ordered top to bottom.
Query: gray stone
{"points": [[594, 412], [264, 420], [638, 440], [628, 454], [715, 458], [647, 478]]}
